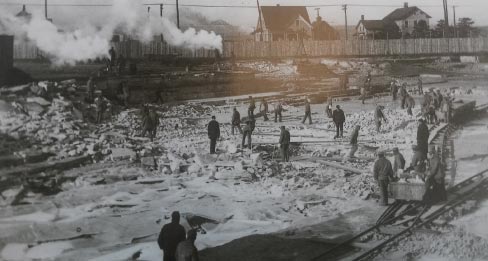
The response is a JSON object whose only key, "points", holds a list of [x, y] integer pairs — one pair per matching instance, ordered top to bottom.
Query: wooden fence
{"points": [[251, 49]]}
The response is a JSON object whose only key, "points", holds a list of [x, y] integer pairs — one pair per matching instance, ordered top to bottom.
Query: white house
{"points": [[407, 18]]}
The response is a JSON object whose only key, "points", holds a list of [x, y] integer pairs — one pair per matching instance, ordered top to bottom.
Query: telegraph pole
{"points": [[344, 7], [45, 9], [161, 10], [177, 15], [446, 19], [454, 19]]}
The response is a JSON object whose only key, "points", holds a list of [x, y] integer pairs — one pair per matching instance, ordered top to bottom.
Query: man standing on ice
{"points": [[90, 89], [403, 95], [252, 106], [263, 108], [277, 111], [308, 112], [378, 117], [339, 118], [236, 121], [246, 133], [213, 134], [423, 137], [354, 141], [284, 144], [399, 161], [383, 172], [170, 236], [186, 250]]}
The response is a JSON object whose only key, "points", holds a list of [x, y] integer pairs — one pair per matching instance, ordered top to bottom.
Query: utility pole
{"points": [[344, 7], [45, 9], [161, 10], [318, 11], [177, 15], [446, 19], [454, 19]]}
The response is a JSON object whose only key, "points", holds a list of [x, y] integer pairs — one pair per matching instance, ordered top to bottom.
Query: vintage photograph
{"points": [[243, 130]]}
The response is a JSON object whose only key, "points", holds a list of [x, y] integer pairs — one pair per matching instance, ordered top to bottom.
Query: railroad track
{"points": [[402, 218]]}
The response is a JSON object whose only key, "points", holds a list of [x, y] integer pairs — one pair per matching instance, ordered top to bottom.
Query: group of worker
{"points": [[426, 163], [175, 243]]}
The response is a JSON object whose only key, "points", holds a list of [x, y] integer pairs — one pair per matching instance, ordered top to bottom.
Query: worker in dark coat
{"points": [[113, 57], [393, 90], [403, 95], [410, 104], [252, 106], [263, 108], [278, 110], [308, 113], [378, 117], [339, 118], [236, 121], [150, 123], [213, 134], [246, 134], [423, 137], [354, 141], [284, 144], [399, 161], [383, 172], [435, 190], [170, 236], [186, 250]]}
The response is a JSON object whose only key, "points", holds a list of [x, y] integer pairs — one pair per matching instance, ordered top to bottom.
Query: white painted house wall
{"points": [[418, 16]]}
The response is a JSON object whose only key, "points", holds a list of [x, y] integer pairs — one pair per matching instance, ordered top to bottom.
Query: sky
{"points": [[71, 16]]}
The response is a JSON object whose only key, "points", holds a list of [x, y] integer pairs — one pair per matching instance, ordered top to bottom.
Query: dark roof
{"points": [[23, 13], [403, 13], [280, 17], [373, 25]]}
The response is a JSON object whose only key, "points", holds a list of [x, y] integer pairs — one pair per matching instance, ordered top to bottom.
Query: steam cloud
{"points": [[91, 41]]}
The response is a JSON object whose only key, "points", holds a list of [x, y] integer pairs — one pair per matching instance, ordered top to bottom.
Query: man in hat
{"points": [[90, 89], [393, 90], [403, 95], [101, 106], [252, 106], [263, 107], [278, 109], [308, 112], [378, 117], [339, 118], [236, 121], [246, 133], [213, 134], [423, 136], [354, 141], [284, 144], [398, 162], [383, 172], [434, 183], [170, 236]]}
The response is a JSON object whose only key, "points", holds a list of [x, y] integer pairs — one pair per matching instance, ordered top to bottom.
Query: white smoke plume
{"points": [[90, 40]]}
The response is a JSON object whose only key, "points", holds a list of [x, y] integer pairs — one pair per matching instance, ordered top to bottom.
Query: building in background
{"points": [[408, 18], [283, 23], [377, 29], [321, 30], [6, 58]]}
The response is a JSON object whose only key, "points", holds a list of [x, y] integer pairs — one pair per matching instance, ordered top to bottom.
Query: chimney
{"points": [[405, 4], [23, 8], [362, 17]]}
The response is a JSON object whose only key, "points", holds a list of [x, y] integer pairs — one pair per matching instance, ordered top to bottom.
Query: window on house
{"points": [[297, 22], [406, 23], [415, 23]]}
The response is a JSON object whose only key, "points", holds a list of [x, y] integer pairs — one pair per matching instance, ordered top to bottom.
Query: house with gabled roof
{"points": [[407, 18], [400, 22], [283, 23]]}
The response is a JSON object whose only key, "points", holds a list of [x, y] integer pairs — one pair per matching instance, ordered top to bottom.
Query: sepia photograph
{"points": [[243, 130]]}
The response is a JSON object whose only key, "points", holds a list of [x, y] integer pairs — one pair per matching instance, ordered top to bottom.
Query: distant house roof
{"points": [[403, 13], [278, 18], [373, 25]]}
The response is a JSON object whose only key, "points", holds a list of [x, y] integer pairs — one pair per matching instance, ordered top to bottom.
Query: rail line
{"points": [[410, 215]]}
